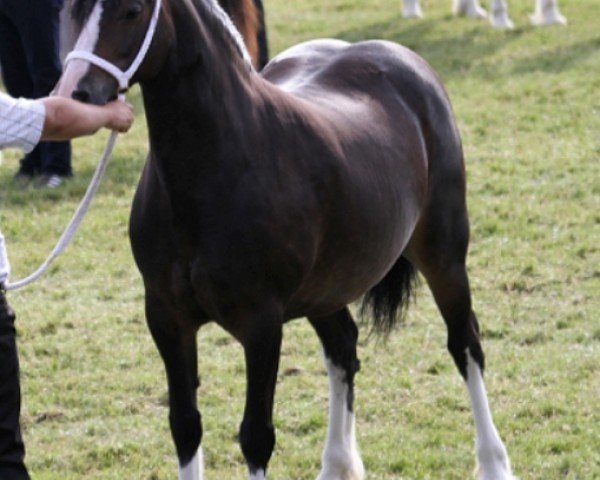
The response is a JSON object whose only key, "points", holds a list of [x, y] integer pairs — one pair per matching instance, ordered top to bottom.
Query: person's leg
{"points": [[39, 27], [15, 74], [12, 450]]}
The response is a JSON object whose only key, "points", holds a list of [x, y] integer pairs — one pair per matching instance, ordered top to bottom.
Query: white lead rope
{"points": [[123, 78], [73, 225]]}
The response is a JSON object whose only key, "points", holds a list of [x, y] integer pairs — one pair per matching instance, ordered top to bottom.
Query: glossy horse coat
{"points": [[337, 173]]}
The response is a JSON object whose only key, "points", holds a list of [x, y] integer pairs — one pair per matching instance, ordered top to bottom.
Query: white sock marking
{"points": [[469, 8], [412, 9], [547, 13], [499, 17], [76, 69], [341, 458], [492, 459], [195, 469], [259, 475]]}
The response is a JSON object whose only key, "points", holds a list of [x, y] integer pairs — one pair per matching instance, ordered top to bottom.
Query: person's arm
{"points": [[67, 118]]}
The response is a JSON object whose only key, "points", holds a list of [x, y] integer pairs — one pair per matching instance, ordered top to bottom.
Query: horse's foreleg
{"points": [[450, 287], [338, 335], [261, 339], [177, 347]]}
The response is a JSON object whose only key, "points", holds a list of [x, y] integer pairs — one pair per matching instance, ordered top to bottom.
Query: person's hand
{"points": [[120, 116]]}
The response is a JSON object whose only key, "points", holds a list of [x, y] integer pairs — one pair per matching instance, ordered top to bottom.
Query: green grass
{"points": [[528, 106]]}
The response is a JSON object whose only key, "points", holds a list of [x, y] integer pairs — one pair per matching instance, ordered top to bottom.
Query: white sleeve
{"points": [[21, 122]]}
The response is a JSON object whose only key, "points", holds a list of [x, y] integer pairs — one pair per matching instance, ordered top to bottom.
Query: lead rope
{"points": [[123, 78], [73, 225]]}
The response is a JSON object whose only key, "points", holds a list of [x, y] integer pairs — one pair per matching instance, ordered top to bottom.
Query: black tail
{"points": [[387, 301]]}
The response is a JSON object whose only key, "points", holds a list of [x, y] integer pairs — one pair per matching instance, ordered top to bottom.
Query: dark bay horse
{"points": [[336, 173]]}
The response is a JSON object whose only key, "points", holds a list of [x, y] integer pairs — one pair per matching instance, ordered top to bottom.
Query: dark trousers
{"points": [[29, 56], [12, 450]]}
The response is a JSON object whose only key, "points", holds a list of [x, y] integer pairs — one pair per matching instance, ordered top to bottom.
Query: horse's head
{"points": [[112, 33]]}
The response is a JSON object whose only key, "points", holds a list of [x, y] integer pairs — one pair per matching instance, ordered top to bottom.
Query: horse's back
{"points": [[330, 65], [371, 81]]}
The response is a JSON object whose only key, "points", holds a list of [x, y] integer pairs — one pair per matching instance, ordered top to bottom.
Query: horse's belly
{"points": [[355, 259]]}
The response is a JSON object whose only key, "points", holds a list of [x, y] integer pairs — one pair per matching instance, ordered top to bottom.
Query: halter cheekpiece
{"points": [[123, 77]]}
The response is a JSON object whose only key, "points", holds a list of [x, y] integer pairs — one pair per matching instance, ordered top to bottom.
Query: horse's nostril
{"points": [[81, 95]]}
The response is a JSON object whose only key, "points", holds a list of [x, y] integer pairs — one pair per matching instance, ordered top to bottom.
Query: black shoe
{"points": [[49, 180]]}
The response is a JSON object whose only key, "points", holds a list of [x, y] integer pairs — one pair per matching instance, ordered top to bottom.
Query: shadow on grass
{"points": [[452, 51], [455, 52], [558, 59], [120, 179]]}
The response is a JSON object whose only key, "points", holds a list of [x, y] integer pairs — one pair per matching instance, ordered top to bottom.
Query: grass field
{"points": [[528, 106]]}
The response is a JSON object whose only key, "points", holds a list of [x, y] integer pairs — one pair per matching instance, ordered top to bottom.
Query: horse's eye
{"points": [[133, 11]]}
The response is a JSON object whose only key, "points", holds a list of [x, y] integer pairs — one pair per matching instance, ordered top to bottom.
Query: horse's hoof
{"points": [[553, 17], [502, 21], [356, 471]]}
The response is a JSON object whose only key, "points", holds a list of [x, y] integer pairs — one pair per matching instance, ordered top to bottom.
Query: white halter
{"points": [[123, 77]]}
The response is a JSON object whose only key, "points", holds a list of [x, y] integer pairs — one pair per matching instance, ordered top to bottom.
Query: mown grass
{"points": [[528, 106]]}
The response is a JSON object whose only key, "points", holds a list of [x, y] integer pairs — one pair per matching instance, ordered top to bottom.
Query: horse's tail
{"points": [[387, 301]]}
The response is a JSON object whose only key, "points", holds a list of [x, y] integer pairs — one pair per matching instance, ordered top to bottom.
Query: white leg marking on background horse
{"points": [[469, 8], [412, 9], [547, 13], [499, 17], [76, 69], [341, 459], [492, 459], [195, 469], [258, 475]]}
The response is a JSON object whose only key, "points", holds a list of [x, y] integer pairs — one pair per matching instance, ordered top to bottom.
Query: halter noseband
{"points": [[123, 77]]}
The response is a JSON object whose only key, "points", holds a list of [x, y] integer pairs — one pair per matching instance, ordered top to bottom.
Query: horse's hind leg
{"points": [[438, 249], [338, 334], [177, 346]]}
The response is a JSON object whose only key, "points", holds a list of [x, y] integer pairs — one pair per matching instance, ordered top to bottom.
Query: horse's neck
{"points": [[201, 97]]}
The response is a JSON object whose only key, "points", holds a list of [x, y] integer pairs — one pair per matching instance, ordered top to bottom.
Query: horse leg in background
{"points": [[469, 8], [412, 9], [547, 13], [247, 16], [499, 17], [438, 249], [338, 334], [262, 344], [177, 347]]}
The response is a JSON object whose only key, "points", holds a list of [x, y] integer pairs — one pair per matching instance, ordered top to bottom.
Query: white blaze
{"points": [[87, 41]]}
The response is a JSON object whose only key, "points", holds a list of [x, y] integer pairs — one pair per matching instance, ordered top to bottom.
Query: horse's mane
{"points": [[80, 9], [245, 16], [223, 21]]}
